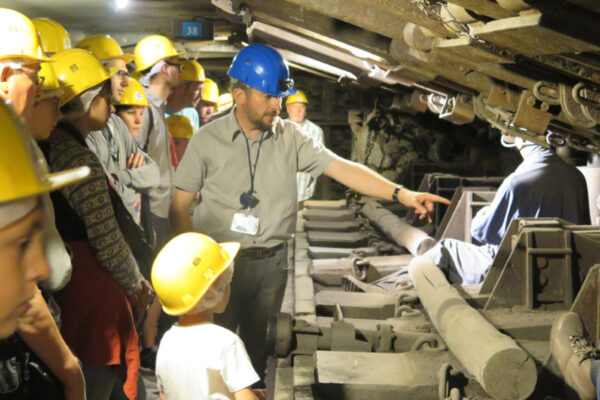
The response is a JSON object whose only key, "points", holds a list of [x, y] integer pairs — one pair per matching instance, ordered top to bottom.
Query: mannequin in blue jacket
{"points": [[543, 185]]}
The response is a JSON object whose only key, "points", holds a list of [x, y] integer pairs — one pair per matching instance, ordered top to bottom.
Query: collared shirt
{"points": [[113, 145], [158, 148], [215, 165], [305, 182], [543, 185]]}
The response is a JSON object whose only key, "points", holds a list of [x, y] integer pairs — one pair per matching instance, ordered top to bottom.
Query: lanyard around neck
{"points": [[250, 167]]}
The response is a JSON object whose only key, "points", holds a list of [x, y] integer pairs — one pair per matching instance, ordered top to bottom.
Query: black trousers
{"points": [[257, 290]]}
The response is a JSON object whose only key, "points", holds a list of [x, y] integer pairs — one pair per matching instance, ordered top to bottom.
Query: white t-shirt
{"points": [[203, 361]]}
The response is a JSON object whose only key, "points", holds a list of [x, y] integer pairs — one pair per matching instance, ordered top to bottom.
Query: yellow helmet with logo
{"points": [[53, 36], [19, 37], [103, 47], [151, 50], [78, 70], [191, 71], [48, 77], [210, 91], [134, 95], [299, 97], [180, 126], [22, 172], [186, 268]]}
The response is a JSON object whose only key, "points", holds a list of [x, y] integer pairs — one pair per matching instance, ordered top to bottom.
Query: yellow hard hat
{"points": [[53, 36], [19, 37], [103, 47], [151, 50], [78, 70], [191, 71], [49, 78], [210, 91], [134, 95], [299, 97], [225, 102], [180, 126], [22, 172], [186, 268]]}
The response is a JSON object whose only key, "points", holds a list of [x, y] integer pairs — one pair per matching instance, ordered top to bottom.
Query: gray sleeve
{"points": [[143, 134], [97, 144], [313, 157], [191, 170], [142, 178]]}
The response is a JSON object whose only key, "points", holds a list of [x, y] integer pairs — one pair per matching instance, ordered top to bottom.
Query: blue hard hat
{"points": [[262, 68]]}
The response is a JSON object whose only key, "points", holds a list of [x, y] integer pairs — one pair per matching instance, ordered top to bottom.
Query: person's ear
{"points": [[4, 75], [239, 95]]}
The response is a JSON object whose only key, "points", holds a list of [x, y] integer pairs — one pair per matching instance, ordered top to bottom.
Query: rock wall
{"points": [[388, 141]]}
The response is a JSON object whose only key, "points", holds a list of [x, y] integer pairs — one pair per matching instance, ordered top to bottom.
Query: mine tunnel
{"points": [[422, 222]]}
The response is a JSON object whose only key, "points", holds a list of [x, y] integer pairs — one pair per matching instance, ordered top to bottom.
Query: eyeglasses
{"points": [[179, 66], [123, 74], [33, 76]]}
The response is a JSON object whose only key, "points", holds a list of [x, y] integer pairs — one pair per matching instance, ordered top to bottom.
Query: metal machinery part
{"points": [[451, 51], [530, 69], [458, 110], [404, 342]]}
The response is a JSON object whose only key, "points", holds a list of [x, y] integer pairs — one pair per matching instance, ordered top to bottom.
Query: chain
{"points": [[579, 143]]}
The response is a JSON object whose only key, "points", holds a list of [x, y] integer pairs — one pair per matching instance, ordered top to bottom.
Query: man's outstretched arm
{"points": [[368, 182]]}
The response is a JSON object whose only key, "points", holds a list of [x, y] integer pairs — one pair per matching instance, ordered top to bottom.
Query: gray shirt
{"points": [[158, 148], [113, 155], [215, 165]]}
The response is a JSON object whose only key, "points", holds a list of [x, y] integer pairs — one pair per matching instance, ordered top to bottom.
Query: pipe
{"points": [[415, 240], [502, 368]]}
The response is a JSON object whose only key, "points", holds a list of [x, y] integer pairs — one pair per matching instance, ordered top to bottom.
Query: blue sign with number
{"points": [[192, 29]]}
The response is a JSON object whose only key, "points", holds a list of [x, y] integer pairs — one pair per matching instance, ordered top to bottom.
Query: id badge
{"points": [[243, 223]]}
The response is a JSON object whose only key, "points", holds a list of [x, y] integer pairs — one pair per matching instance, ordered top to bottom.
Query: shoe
{"points": [[574, 353], [148, 358]]}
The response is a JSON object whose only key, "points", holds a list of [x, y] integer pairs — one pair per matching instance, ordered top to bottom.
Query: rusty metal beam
{"points": [[381, 16]]}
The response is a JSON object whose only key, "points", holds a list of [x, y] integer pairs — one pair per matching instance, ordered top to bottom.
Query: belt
{"points": [[261, 252]]}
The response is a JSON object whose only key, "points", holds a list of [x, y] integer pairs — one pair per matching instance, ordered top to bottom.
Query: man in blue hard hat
{"points": [[244, 167]]}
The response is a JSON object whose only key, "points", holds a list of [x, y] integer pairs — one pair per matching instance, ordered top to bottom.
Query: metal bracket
{"points": [[503, 96], [435, 102], [458, 110], [529, 116]]}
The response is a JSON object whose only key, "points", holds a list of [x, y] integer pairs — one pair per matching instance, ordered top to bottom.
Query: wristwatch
{"points": [[396, 191]]}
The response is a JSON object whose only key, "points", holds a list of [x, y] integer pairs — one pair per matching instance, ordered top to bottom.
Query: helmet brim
{"points": [[177, 54], [127, 57], [26, 58], [60, 179], [231, 248]]}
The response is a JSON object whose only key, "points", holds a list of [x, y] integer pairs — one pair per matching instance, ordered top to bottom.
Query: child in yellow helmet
{"points": [[197, 358]]}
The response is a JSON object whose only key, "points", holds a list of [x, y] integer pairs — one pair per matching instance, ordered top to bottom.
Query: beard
{"points": [[261, 123]]}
